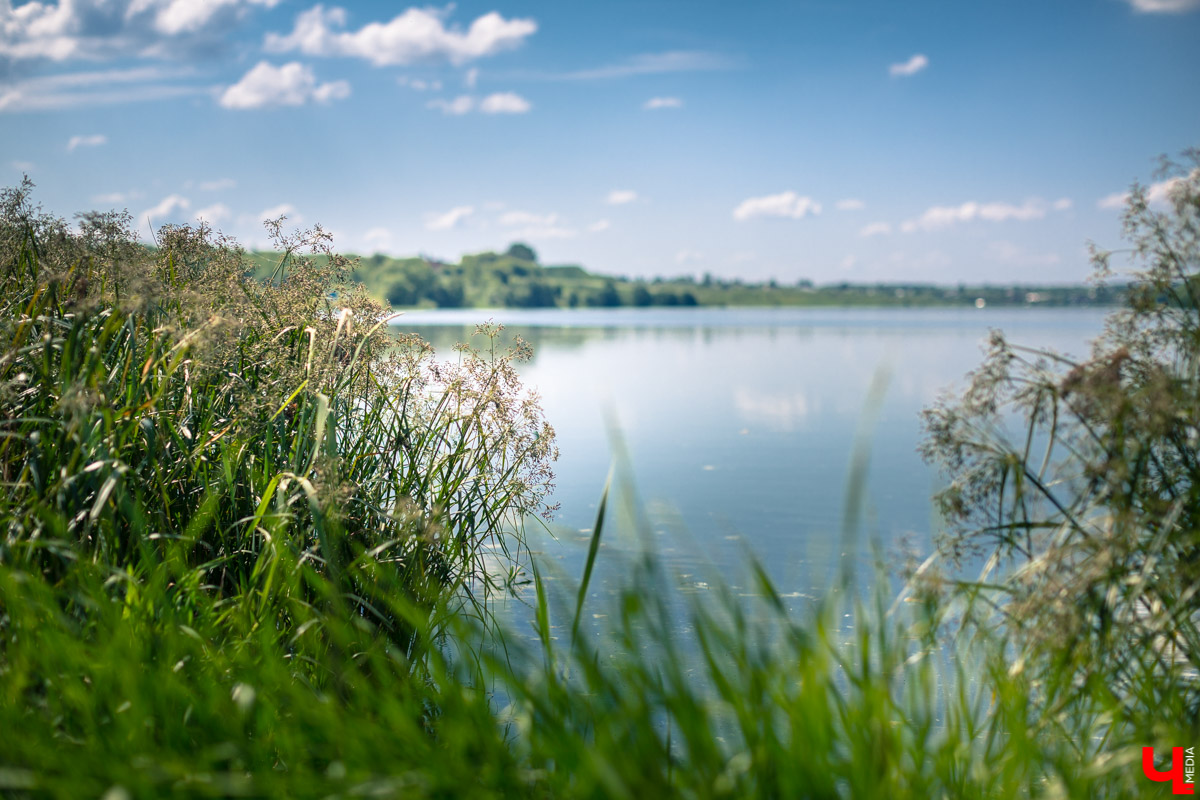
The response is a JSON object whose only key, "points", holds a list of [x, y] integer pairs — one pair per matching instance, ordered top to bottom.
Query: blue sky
{"points": [[858, 141]]}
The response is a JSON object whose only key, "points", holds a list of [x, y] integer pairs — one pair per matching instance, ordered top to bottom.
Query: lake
{"points": [[739, 425]]}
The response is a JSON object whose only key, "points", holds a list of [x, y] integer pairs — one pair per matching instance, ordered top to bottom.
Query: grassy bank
{"points": [[250, 543]]}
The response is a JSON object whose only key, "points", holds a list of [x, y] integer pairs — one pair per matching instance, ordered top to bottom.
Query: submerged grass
{"points": [[245, 551]]}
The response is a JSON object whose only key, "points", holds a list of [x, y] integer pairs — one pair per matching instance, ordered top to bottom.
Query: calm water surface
{"points": [[739, 424]]}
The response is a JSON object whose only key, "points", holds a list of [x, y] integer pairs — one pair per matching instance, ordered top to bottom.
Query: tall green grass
{"points": [[159, 400], [678, 694]]}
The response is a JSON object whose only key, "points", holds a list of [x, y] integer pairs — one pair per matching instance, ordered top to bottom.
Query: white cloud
{"points": [[1163, 6], [188, 16], [100, 29], [35, 30], [417, 34], [651, 64], [910, 67], [471, 77], [293, 84], [419, 84], [95, 88], [14, 100], [662, 102], [498, 103], [504, 103], [463, 104], [92, 140], [24, 166], [218, 185], [1157, 194], [620, 197], [110, 199], [1114, 200], [784, 204], [850, 204], [166, 208], [282, 210], [214, 214], [937, 217], [527, 218], [449, 219], [599, 225], [536, 226], [535, 232], [378, 238], [688, 257]]}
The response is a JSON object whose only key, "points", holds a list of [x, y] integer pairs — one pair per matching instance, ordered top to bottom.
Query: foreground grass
{"points": [[693, 696]]}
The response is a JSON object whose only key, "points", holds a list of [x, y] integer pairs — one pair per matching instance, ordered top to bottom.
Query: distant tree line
{"points": [[515, 279]]}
